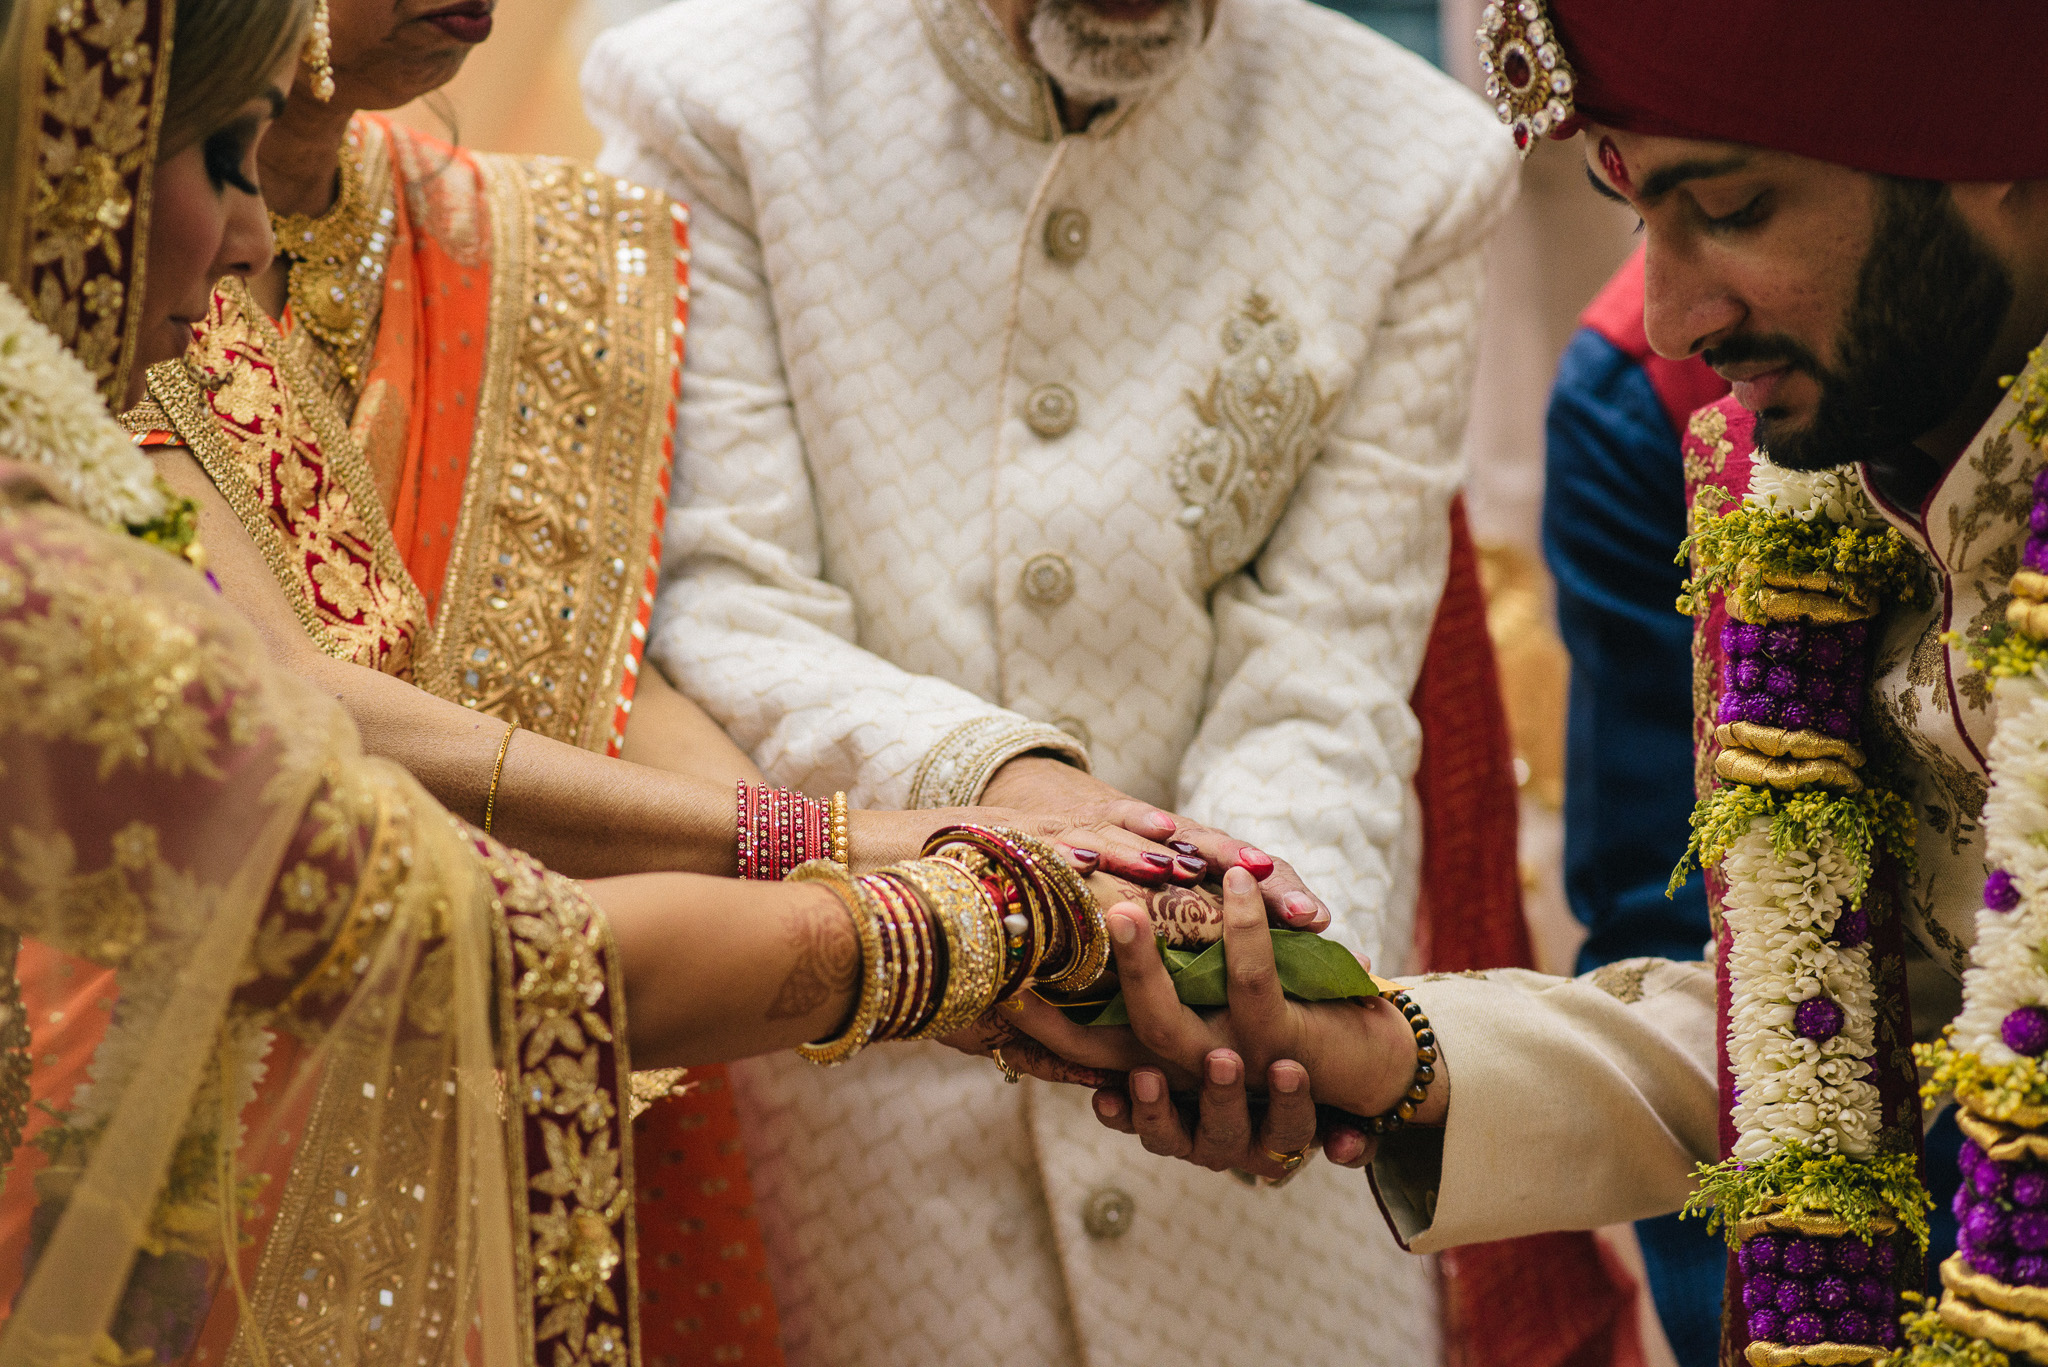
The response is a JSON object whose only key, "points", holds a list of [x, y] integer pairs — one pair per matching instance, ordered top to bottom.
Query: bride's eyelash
{"points": [[224, 152]]}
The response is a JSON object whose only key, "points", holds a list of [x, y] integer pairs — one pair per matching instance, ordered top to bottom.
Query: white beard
{"points": [[1094, 60]]}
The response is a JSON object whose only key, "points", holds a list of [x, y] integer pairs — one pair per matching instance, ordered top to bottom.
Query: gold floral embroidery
{"points": [[979, 58], [95, 89], [1261, 424], [279, 454], [548, 591], [1623, 981], [560, 989]]}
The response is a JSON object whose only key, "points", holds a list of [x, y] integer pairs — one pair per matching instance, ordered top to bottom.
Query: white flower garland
{"points": [[51, 416], [1812, 495], [2006, 968], [1790, 1089]]}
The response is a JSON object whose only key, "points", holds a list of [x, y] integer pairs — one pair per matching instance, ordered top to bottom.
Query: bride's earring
{"points": [[319, 50]]}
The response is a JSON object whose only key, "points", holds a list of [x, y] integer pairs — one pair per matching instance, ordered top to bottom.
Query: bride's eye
{"points": [[227, 153]]}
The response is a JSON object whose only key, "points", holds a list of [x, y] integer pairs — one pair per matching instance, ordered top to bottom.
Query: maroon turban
{"points": [[1947, 90]]}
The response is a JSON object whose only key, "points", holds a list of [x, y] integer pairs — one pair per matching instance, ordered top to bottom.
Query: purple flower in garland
{"points": [[2041, 485], [2037, 519], [2035, 555], [1854, 634], [1742, 638], [1782, 642], [1825, 650], [1747, 675], [1781, 681], [1819, 689], [1760, 708], [1729, 709], [1796, 715], [1839, 723], [2001, 893], [1852, 929], [1817, 1018], [2025, 1030], [2030, 1190], [1960, 1204], [1985, 1226], [2030, 1230], [1759, 1254], [1851, 1255], [1805, 1257], [1887, 1258], [1990, 1262], [2030, 1269], [1760, 1292], [1831, 1293], [1876, 1295], [1793, 1296], [1766, 1325], [1850, 1326], [1804, 1328], [1885, 1332]]}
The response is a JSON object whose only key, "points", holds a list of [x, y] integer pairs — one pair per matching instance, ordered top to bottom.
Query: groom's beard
{"points": [[1094, 58], [1931, 300]]}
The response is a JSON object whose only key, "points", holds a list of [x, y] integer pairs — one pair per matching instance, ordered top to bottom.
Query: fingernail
{"points": [[1163, 823], [1183, 846], [1085, 856], [1158, 861], [1260, 864], [1193, 868], [1239, 882], [1298, 906], [1123, 929], [1222, 1068], [1287, 1078], [1146, 1087], [1108, 1106]]}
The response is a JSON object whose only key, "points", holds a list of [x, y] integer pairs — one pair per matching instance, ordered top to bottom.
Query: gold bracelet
{"points": [[497, 772], [837, 832], [973, 930], [860, 1028]]}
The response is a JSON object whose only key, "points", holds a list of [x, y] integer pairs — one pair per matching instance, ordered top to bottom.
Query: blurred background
{"points": [[519, 93]]}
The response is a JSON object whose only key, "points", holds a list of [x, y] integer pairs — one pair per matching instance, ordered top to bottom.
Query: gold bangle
{"points": [[497, 772], [838, 835], [967, 917], [860, 1027]]}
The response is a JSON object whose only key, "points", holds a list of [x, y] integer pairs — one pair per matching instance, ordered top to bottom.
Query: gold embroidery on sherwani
{"points": [[979, 58], [1261, 424], [1709, 427], [279, 454], [548, 582]]}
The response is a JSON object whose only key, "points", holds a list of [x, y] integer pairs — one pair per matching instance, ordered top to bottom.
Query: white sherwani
{"points": [[994, 439], [1584, 1102]]}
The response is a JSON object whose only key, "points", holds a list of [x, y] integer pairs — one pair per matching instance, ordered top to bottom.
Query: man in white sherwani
{"points": [[1070, 383]]}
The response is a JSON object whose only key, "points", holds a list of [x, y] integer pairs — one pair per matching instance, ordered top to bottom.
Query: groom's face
{"points": [[1852, 313]]}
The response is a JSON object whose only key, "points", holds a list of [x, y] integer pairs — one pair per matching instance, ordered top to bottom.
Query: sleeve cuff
{"points": [[955, 771]]}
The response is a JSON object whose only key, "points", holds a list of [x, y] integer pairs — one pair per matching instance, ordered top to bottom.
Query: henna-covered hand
{"points": [[991, 1032]]}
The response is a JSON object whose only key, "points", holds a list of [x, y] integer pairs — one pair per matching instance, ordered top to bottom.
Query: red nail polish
{"points": [[1183, 847], [1086, 856], [1158, 861], [1256, 864], [1193, 868]]}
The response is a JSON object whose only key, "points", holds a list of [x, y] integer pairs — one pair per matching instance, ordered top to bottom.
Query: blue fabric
{"points": [[1414, 24], [1613, 517]]}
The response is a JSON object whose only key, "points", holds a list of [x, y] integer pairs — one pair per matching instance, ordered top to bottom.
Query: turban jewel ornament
{"points": [[1527, 76]]}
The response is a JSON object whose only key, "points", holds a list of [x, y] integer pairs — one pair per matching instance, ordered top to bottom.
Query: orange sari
{"points": [[466, 491]]}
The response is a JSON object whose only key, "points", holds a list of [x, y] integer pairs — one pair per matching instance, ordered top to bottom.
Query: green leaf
{"points": [[1312, 969]]}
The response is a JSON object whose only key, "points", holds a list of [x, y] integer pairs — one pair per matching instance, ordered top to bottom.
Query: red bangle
{"points": [[778, 829]]}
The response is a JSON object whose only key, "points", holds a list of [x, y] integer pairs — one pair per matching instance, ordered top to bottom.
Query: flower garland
{"points": [[51, 416], [1809, 1198], [1995, 1288]]}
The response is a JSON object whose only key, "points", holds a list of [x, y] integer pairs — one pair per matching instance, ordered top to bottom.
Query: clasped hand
{"points": [[1239, 1088]]}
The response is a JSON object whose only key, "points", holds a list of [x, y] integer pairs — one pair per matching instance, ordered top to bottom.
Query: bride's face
{"points": [[391, 52], [207, 220]]}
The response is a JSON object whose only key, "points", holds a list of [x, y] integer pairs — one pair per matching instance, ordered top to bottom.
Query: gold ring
{"points": [[1009, 1074], [1288, 1162]]}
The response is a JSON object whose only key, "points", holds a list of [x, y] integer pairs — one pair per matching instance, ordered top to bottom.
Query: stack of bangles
{"points": [[780, 828], [983, 915]]}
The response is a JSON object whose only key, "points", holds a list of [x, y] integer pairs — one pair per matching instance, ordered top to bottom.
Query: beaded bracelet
{"points": [[1425, 1069]]}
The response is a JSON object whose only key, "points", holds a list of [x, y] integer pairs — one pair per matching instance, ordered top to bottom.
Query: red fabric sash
{"points": [[1548, 1300]]}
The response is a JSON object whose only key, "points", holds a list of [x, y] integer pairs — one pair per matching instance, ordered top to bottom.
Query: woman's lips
{"points": [[465, 23]]}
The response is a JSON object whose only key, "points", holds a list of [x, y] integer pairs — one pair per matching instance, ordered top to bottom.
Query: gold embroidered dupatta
{"points": [[550, 577]]}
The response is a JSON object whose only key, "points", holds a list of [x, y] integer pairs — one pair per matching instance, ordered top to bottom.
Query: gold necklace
{"points": [[338, 260]]}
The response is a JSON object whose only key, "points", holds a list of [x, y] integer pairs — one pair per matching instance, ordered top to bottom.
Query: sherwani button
{"points": [[1066, 235], [1050, 410], [1048, 580], [1107, 1213]]}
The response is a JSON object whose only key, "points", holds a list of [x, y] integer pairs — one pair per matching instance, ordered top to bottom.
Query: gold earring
{"points": [[319, 50]]}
